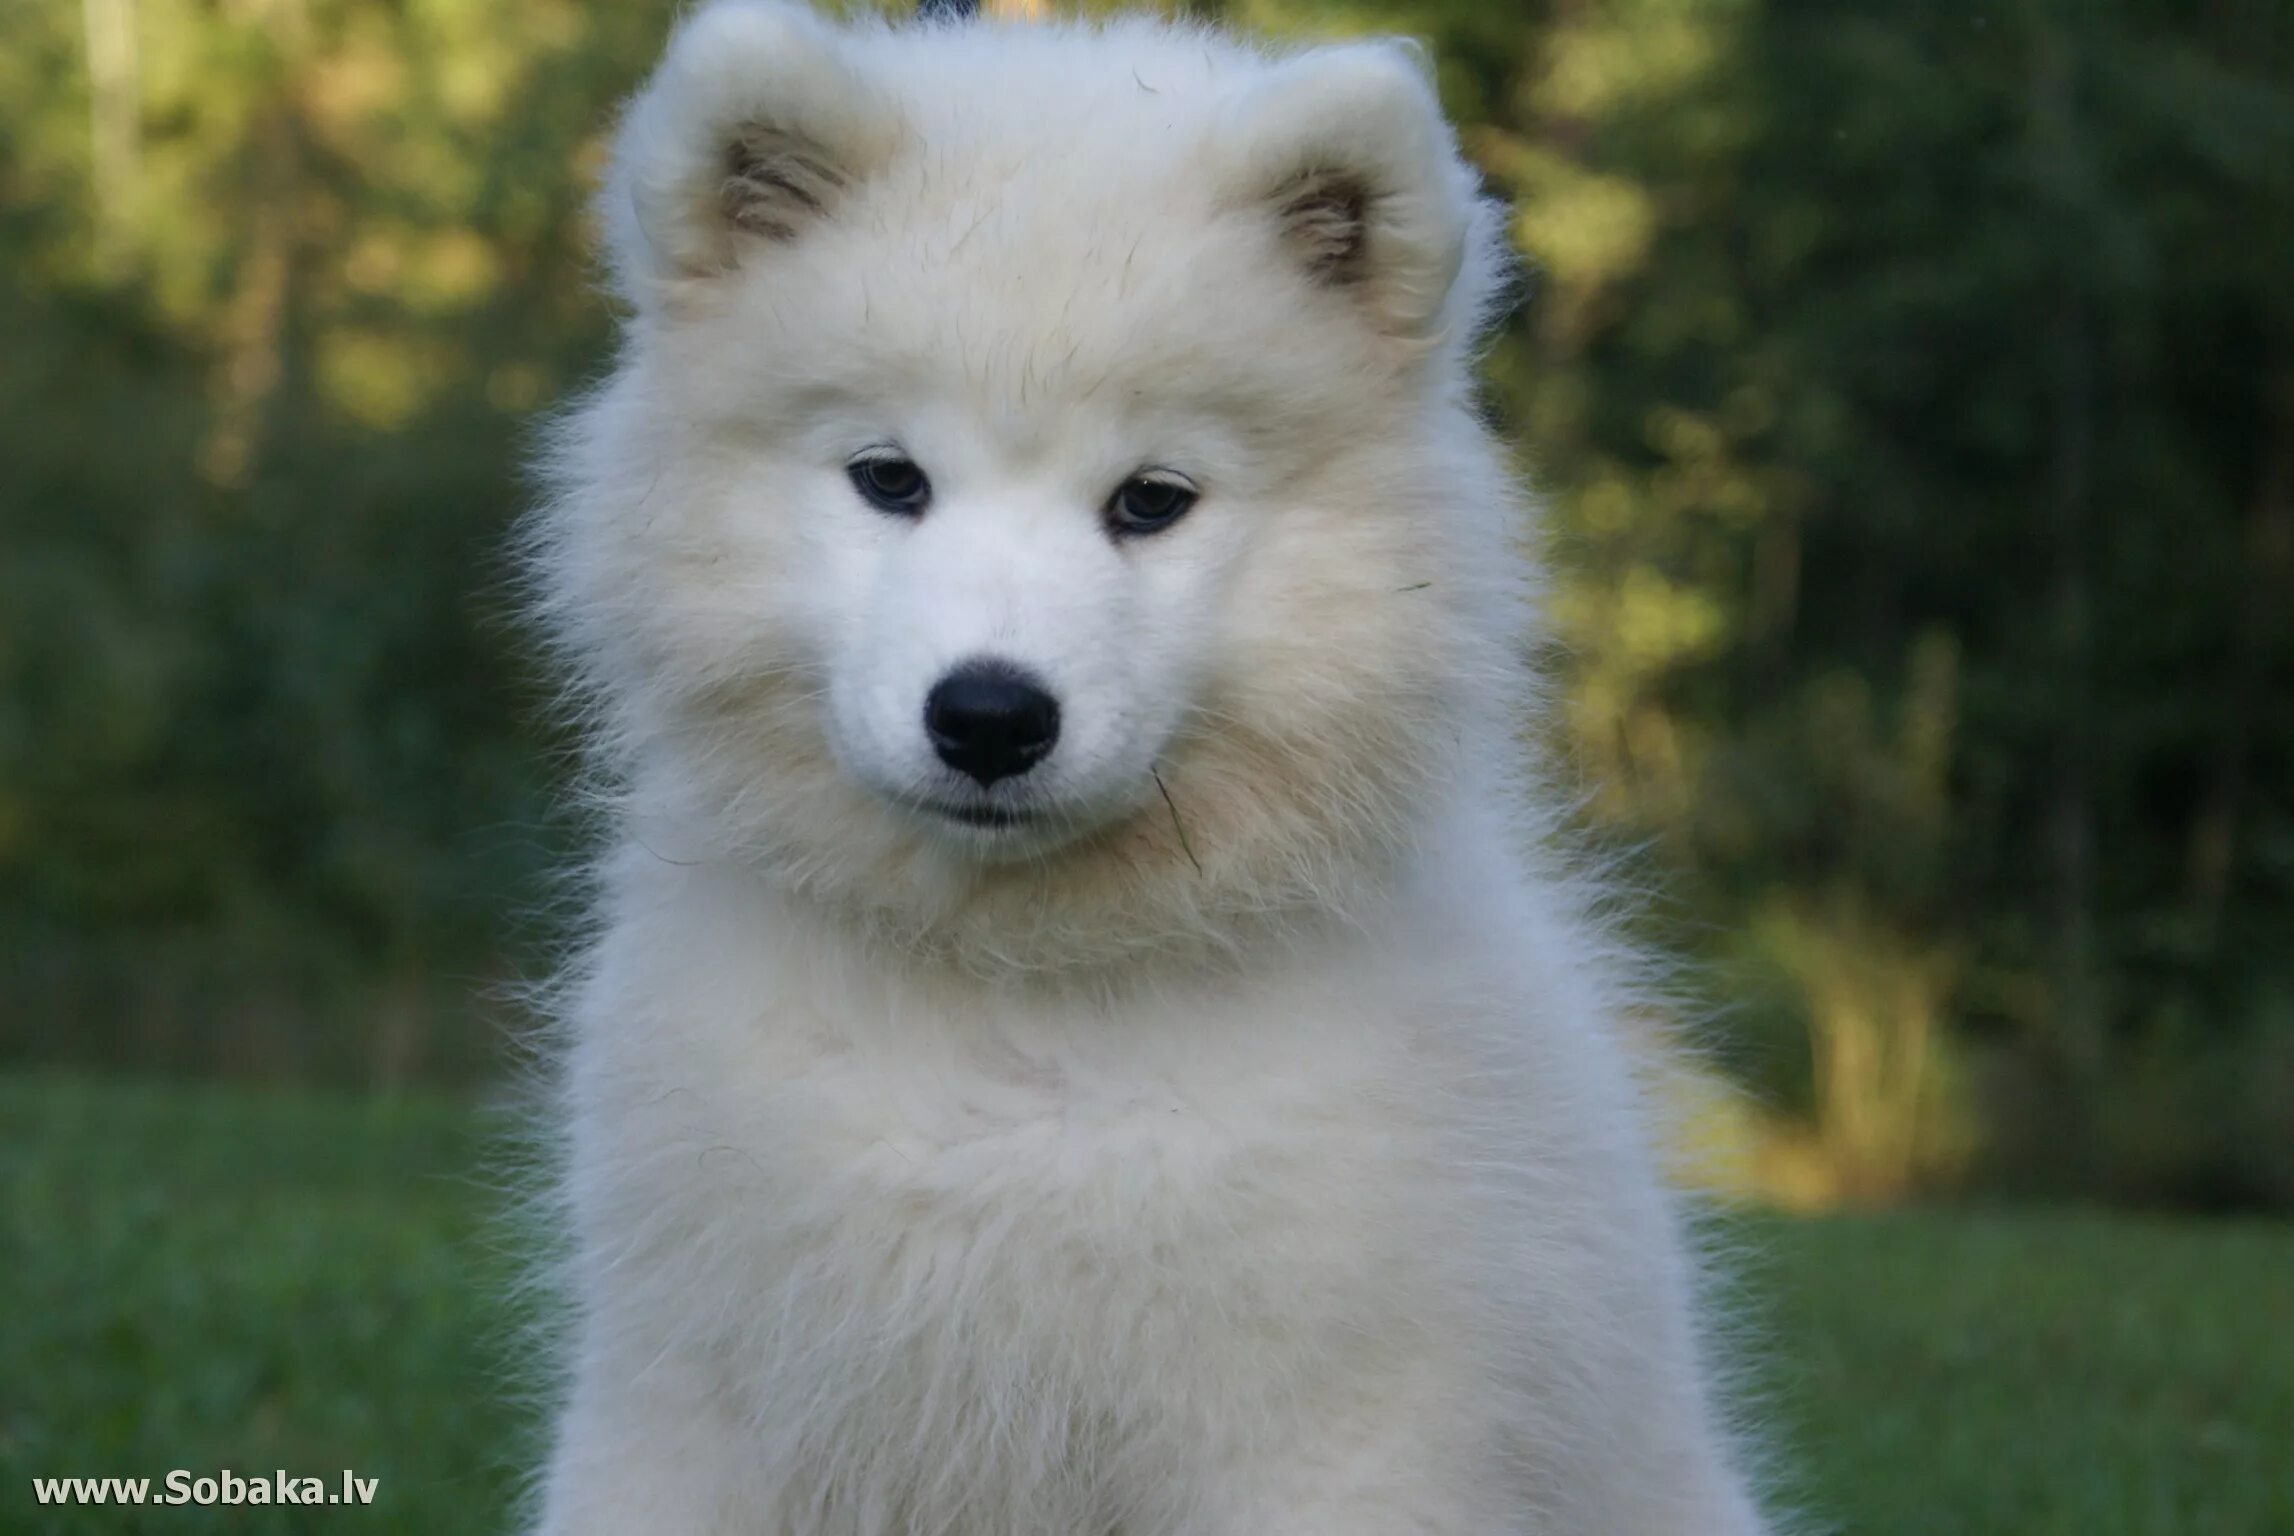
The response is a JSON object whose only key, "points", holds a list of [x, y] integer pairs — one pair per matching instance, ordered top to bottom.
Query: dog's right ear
{"points": [[754, 125], [1345, 150]]}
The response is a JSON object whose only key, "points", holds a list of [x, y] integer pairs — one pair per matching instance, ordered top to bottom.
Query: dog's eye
{"points": [[890, 483], [1149, 503]]}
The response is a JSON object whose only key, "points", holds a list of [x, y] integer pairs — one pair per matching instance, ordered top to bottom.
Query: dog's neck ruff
{"points": [[1130, 907], [1098, 920]]}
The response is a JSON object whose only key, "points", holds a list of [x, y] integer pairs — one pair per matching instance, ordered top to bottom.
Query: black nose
{"points": [[990, 720]]}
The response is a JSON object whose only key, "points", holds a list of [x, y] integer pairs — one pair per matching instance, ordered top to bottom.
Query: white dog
{"points": [[1079, 1038]]}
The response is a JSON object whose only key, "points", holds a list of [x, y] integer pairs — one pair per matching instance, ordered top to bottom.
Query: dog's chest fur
{"points": [[919, 1235]]}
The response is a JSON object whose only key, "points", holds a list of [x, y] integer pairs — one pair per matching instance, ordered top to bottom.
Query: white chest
{"points": [[844, 1176]]}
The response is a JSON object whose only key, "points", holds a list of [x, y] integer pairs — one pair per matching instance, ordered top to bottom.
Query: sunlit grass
{"points": [[206, 1279]]}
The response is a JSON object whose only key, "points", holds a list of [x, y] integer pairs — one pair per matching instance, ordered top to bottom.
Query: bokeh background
{"points": [[1912, 391]]}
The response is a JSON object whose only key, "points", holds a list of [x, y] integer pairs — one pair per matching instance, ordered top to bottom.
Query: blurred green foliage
{"points": [[1912, 388]]}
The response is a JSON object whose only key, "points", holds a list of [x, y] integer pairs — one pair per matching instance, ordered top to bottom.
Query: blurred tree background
{"points": [[1912, 386]]}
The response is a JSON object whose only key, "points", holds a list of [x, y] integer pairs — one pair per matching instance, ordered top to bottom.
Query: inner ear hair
{"points": [[776, 181], [1326, 217]]}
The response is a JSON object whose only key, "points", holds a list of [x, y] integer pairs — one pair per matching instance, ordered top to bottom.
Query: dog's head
{"points": [[1038, 508]]}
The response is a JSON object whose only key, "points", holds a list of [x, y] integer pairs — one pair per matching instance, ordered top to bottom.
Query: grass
{"points": [[200, 1279]]}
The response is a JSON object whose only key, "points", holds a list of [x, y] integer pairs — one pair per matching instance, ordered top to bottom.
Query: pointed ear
{"points": [[753, 127], [1345, 149]]}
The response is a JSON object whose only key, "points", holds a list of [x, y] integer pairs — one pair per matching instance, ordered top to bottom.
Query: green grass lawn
{"points": [[202, 1279]]}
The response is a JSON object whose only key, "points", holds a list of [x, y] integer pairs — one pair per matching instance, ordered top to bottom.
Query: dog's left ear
{"points": [[755, 126], [1346, 149]]}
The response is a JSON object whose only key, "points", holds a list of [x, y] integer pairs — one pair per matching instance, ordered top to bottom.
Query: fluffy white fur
{"points": [[1244, 1144]]}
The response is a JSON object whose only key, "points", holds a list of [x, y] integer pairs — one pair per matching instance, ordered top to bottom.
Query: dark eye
{"points": [[890, 483], [1149, 503]]}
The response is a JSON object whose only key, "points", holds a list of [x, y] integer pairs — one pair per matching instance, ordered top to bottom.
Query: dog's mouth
{"points": [[990, 818]]}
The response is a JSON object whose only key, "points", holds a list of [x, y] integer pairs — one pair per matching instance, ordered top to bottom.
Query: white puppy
{"points": [[1079, 1038]]}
